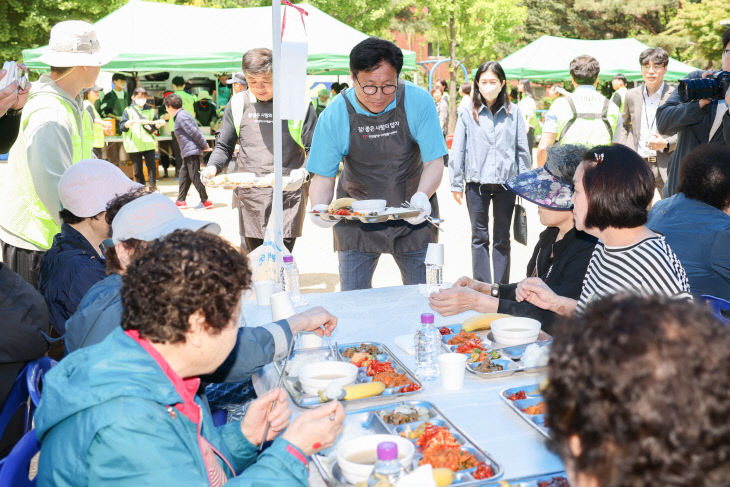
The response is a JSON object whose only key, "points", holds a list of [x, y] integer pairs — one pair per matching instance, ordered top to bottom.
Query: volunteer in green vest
{"points": [[618, 83], [223, 92], [91, 96], [188, 100], [322, 100], [114, 102], [205, 110], [584, 117], [247, 121], [139, 123], [52, 138]]}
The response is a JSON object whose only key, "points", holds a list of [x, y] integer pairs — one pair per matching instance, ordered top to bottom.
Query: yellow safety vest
{"points": [[97, 130], [136, 138], [24, 214]]}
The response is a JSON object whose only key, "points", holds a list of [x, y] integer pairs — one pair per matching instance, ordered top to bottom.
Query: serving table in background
{"points": [[381, 315]]}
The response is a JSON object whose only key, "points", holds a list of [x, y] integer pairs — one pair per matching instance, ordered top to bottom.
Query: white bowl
{"points": [[362, 206], [515, 330], [318, 375], [359, 472]]}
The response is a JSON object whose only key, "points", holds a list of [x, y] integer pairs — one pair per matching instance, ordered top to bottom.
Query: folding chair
{"points": [[720, 308], [15, 468]]}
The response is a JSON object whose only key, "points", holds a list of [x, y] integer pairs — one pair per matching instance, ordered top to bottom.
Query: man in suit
{"points": [[695, 122], [639, 129]]}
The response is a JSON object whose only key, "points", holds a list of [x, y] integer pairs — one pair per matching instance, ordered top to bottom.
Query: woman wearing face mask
{"points": [[139, 123], [489, 147]]}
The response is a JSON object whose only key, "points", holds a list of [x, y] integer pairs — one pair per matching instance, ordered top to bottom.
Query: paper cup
{"points": [[434, 254], [264, 290], [281, 306], [308, 339], [452, 367]]}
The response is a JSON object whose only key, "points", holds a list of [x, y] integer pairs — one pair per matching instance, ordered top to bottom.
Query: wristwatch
{"points": [[495, 290]]}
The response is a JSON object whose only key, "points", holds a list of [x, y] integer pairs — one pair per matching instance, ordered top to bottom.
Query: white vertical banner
{"points": [[293, 65], [278, 197]]}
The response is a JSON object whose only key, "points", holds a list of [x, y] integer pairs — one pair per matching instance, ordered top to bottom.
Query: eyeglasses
{"points": [[726, 52], [649, 67], [372, 89]]}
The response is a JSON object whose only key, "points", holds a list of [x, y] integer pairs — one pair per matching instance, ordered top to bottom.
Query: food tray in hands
{"points": [[245, 180], [389, 214], [508, 357], [532, 399], [304, 400], [371, 421]]}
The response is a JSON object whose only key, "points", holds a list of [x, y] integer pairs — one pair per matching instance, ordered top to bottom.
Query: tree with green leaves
{"points": [[698, 23], [473, 30]]}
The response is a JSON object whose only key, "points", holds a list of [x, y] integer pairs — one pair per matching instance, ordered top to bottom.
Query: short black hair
{"points": [[726, 39], [368, 54], [655, 55], [584, 69], [118, 76], [621, 78], [178, 81], [443, 83], [344, 86], [335, 87], [465, 88], [140, 90], [173, 101], [704, 175], [618, 185], [69, 218], [178, 275], [643, 383]]}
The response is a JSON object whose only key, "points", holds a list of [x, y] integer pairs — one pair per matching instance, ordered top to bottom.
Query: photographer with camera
{"points": [[698, 113]]}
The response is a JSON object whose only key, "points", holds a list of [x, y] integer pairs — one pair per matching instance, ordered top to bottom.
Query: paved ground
{"points": [[317, 260]]}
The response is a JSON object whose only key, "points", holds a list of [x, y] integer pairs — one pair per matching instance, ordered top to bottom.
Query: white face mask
{"points": [[490, 92], [140, 101]]}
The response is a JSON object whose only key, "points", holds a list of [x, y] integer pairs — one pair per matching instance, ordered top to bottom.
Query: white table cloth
{"points": [[380, 315]]}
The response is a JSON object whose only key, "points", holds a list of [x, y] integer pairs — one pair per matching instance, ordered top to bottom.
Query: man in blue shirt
{"points": [[387, 133]]}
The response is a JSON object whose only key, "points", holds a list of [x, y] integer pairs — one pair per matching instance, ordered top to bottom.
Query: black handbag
{"points": [[519, 224]]}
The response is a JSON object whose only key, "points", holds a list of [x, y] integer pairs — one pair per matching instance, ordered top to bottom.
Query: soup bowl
{"points": [[515, 330], [318, 375], [357, 456]]}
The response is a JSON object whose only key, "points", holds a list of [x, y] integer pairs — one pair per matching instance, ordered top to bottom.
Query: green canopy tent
{"points": [[152, 37], [548, 59]]}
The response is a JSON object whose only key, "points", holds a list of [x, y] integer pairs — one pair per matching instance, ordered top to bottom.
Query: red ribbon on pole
{"points": [[301, 11]]}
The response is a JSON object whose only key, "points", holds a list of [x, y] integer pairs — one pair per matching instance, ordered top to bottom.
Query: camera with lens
{"points": [[713, 87]]}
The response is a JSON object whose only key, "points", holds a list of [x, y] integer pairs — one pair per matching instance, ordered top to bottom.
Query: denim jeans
{"points": [[478, 199], [357, 268]]}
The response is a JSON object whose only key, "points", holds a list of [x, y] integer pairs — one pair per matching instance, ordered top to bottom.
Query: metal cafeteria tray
{"points": [[389, 214], [510, 357], [533, 397], [303, 400], [370, 421], [553, 479]]}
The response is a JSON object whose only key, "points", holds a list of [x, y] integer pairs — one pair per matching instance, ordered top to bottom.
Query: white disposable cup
{"points": [[434, 254], [264, 290], [281, 306], [309, 339], [452, 367]]}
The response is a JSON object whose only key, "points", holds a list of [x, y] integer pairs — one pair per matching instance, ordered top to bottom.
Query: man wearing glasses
{"points": [[695, 122], [638, 129], [387, 133]]}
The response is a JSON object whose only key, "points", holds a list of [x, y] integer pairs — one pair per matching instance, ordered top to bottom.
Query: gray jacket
{"points": [[189, 137], [488, 152]]}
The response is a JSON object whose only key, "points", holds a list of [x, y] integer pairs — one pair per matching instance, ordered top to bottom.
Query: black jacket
{"points": [[9, 127], [563, 273]]}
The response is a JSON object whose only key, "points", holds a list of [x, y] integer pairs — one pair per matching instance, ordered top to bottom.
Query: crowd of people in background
{"points": [[107, 272]]}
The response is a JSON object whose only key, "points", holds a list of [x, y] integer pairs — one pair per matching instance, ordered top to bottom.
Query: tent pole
{"points": [[278, 201]]}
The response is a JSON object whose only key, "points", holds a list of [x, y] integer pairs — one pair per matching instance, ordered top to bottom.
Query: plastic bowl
{"points": [[366, 206], [515, 330], [318, 375], [359, 472]]}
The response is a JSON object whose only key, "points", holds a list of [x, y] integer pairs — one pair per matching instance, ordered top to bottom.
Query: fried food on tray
{"points": [[463, 337], [364, 347], [468, 347], [391, 378], [538, 408], [453, 458]]}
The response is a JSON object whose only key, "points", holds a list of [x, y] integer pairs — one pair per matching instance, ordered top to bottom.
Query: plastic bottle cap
{"points": [[288, 258], [427, 318], [387, 450]]}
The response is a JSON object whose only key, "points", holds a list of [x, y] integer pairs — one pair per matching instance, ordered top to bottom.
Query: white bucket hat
{"points": [[74, 43], [86, 187]]}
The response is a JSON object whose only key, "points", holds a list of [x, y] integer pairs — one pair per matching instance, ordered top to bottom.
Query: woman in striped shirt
{"points": [[613, 190]]}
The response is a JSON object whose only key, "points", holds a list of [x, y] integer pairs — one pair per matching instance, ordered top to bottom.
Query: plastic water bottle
{"points": [[434, 277], [289, 280], [428, 340], [388, 470]]}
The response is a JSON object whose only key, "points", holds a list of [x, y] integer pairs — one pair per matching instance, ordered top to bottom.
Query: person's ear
{"points": [[198, 327], [574, 446]]}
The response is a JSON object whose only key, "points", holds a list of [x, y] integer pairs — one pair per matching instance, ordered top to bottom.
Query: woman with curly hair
{"points": [[613, 190], [637, 395], [127, 410]]}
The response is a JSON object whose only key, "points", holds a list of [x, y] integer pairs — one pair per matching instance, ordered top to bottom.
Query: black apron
{"points": [[257, 156], [384, 162]]}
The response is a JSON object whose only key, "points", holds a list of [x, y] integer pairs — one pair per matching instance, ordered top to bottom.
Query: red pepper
{"points": [[445, 331], [410, 387], [517, 396], [483, 471]]}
